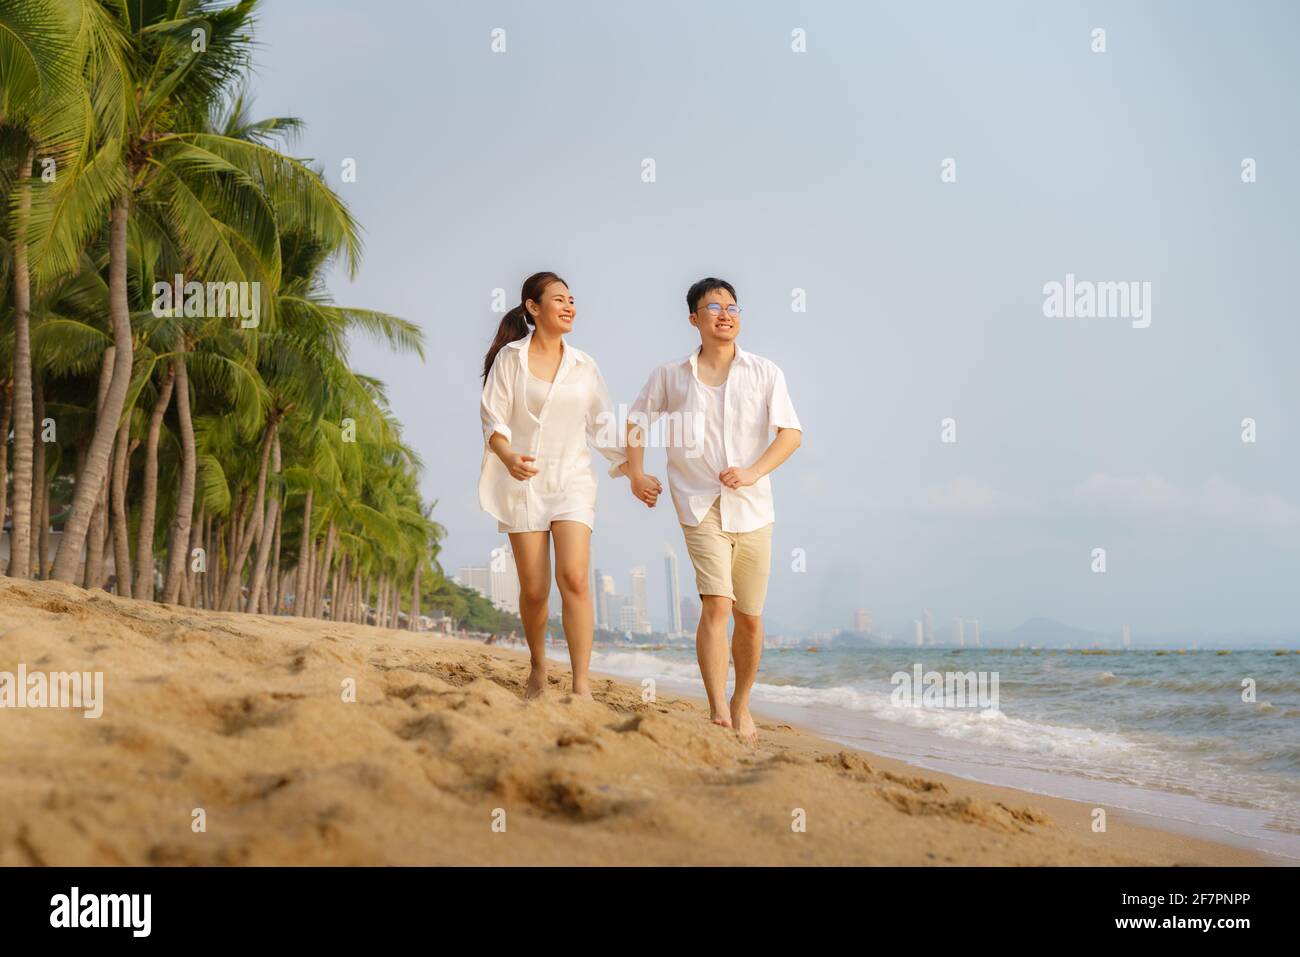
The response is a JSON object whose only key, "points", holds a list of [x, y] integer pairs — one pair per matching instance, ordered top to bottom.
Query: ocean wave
{"points": [[985, 727]]}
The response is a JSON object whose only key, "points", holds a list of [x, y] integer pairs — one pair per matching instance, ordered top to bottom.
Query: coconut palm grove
{"points": [[183, 421]]}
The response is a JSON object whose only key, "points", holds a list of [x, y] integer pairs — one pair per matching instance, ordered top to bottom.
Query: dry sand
{"points": [[244, 717]]}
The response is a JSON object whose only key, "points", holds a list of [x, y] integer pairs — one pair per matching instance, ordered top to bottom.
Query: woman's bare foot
{"points": [[536, 683], [582, 689], [721, 718], [743, 722]]}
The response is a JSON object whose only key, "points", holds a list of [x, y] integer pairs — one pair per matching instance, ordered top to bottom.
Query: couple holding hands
{"points": [[545, 403]]}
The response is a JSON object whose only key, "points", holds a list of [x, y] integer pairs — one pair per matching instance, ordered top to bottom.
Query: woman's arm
{"points": [[494, 411], [602, 426]]}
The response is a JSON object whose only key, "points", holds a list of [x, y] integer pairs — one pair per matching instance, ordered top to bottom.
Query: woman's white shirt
{"points": [[575, 413]]}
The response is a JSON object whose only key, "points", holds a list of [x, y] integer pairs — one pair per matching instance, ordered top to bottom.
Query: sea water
{"points": [[1205, 742]]}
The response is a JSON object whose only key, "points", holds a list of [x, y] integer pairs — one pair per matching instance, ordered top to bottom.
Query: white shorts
{"points": [[587, 516]]}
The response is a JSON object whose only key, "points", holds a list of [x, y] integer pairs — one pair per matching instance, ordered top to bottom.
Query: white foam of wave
{"points": [[987, 728]]}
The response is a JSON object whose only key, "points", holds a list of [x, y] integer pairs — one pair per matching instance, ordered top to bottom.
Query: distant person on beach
{"points": [[544, 402], [725, 404]]}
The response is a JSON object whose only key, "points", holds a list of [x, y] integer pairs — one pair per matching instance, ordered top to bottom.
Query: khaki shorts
{"points": [[733, 565]]}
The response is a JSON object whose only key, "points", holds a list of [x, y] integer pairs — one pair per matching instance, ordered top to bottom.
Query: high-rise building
{"points": [[475, 577], [504, 580], [674, 591], [598, 596], [614, 605], [691, 611], [608, 617], [628, 619], [861, 622], [642, 625], [929, 626], [973, 629], [959, 632], [920, 633]]}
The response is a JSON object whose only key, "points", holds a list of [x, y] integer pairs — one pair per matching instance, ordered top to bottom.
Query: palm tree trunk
{"points": [[6, 417], [91, 479], [251, 527], [121, 531], [180, 534], [267, 537], [20, 538], [198, 539], [95, 544], [209, 544], [44, 549], [214, 563], [313, 563], [35, 567], [144, 570], [300, 580], [276, 583], [193, 586], [334, 588], [318, 594], [341, 597], [413, 624]]}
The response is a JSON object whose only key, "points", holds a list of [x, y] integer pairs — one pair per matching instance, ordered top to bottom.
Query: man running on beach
{"points": [[729, 402]]}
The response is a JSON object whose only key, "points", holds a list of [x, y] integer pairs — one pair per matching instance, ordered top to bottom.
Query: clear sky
{"points": [[822, 171]]}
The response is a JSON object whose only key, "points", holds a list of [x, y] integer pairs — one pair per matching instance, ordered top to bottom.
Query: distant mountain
{"points": [[1048, 633], [855, 639]]}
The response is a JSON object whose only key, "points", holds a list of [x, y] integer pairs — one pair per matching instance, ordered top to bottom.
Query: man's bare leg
{"points": [[711, 651], [746, 651]]}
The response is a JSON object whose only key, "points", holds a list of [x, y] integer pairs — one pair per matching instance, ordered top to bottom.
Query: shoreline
{"points": [[437, 760], [1187, 815], [1144, 832]]}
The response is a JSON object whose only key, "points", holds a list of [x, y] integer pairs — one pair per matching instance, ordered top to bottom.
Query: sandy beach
{"points": [[244, 724]]}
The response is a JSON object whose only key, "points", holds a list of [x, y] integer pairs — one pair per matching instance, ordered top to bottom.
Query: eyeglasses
{"points": [[715, 309]]}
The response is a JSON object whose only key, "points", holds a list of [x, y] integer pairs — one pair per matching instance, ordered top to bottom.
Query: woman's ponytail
{"points": [[514, 324]]}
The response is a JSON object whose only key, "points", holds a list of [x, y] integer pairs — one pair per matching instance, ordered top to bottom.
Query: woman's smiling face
{"points": [[554, 313]]}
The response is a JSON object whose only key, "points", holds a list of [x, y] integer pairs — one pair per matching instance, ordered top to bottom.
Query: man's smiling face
{"points": [[714, 317]]}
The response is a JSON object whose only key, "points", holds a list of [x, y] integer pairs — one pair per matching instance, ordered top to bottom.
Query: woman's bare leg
{"points": [[533, 559], [572, 574]]}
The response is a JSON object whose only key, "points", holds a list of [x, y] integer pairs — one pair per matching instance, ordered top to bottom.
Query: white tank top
{"points": [[535, 395]]}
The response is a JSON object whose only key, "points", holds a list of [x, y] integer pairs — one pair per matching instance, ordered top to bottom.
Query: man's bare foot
{"points": [[536, 684], [721, 718], [743, 722]]}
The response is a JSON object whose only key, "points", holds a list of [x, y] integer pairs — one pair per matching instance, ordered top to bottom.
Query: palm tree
{"points": [[38, 80], [214, 196], [253, 439]]}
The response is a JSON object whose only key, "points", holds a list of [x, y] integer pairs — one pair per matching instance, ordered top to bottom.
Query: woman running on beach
{"points": [[543, 403]]}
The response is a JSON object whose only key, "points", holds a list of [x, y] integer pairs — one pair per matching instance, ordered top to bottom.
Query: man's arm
{"points": [[782, 447], [645, 487]]}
